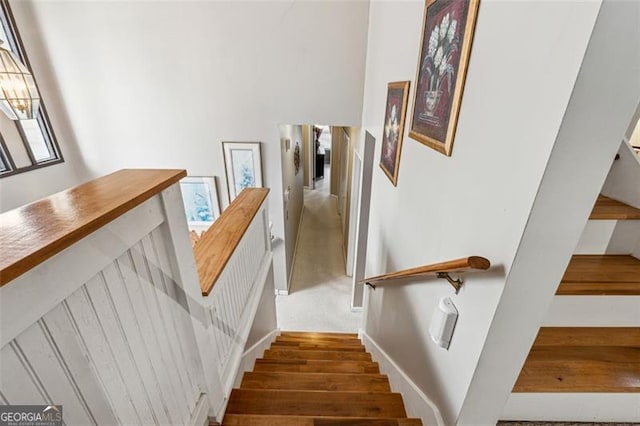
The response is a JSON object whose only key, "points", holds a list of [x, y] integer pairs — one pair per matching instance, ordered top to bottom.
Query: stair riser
{"points": [[609, 237], [594, 311], [312, 335], [324, 341], [317, 347], [319, 355], [330, 367], [327, 382], [309, 403], [573, 407], [244, 420]]}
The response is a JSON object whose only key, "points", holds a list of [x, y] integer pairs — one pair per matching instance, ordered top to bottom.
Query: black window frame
{"points": [[15, 41]]}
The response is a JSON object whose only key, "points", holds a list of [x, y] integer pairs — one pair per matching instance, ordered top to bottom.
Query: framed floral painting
{"points": [[447, 34], [397, 96], [243, 166]]}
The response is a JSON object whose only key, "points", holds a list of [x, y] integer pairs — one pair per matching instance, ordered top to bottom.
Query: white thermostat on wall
{"points": [[443, 322]]}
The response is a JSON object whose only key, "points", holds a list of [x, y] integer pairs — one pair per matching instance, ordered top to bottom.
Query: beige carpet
{"points": [[320, 294], [562, 424]]}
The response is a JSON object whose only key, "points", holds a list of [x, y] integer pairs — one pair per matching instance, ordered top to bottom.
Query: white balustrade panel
{"points": [[231, 312], [115, 329], [113, 346], [118, 350]]}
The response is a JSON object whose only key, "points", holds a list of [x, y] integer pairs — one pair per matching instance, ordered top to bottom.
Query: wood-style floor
{"points": [[609, 209], [605, 275], [582, 359], [590, 359], [313, 379]]}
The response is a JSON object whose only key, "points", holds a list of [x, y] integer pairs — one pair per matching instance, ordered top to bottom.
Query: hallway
{"points": [[320, 293]]}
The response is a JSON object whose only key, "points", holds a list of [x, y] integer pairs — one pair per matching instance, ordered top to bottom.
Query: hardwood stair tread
{"points": [[609, 209], [601, 275], [278, 353], [582, 359], [316, 366], [315, 381], [315, 403], [274, 420]]}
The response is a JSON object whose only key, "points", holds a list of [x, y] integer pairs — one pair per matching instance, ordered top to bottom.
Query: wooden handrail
{"points": [[31, 234], [217, 244], [440, 270]]}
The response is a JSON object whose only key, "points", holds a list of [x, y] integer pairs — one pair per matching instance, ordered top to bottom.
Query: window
{"points": [[25, 144]]}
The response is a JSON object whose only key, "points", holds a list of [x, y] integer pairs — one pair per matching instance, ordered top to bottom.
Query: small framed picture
{"points": [[393, 131], [243, 166], [200, 198]]}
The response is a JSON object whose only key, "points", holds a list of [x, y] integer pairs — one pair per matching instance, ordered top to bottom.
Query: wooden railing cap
{"points": [[31, 234], [217, 244]]}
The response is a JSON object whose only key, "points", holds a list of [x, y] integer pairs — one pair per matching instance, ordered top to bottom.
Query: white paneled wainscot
{"points": [[116, 329]]}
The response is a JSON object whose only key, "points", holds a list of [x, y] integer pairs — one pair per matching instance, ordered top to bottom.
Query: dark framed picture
{"points": [[447, 35], [396, 110]]}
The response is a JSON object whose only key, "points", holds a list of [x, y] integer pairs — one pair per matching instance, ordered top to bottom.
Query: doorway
{"points": [[320, 157]]}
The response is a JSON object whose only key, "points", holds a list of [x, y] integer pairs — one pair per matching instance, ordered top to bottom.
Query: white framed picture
{"points": [[243, 166], [200, 199]]}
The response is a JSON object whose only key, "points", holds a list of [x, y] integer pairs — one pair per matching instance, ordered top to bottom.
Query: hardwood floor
{"points": [[609, 209], [601, 275], [582, 359]]}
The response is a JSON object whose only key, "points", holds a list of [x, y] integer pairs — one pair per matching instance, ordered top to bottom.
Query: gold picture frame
{"points": [[447, 35], [393, 130]]}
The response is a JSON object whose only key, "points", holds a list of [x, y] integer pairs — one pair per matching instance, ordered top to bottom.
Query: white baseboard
{"points": [[295, 248], [282, 292], [254, 352], [245, 364], [229, 370], [416, 403], [200, 415]]}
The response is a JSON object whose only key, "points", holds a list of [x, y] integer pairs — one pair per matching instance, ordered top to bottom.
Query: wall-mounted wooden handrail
{"points": [[31, 234], [217, 244], [440, 270]]}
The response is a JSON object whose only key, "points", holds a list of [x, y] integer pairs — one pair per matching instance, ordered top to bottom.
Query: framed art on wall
{"points": [[447, 34], [393, 132], [243, 166], [200, 199]]}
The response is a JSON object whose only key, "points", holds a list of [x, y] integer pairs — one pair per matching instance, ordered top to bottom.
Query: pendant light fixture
{"points": [[19, 98]]}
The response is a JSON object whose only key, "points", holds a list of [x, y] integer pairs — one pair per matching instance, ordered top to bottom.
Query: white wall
{"points": [[161, 84], [635, 135], [582, 155], [623, 181], [26, 187], [478, 201], [293, 206]]}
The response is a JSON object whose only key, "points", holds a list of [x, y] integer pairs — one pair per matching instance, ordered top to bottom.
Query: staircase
{"points": [[581, 359], [312, 379]]}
